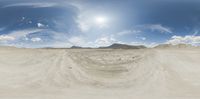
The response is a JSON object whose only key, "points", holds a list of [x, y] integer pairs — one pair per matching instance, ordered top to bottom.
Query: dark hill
{"points": [[124, 46], [74, 47]]}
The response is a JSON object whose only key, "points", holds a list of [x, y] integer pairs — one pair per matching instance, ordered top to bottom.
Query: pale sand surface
{"points": [[99, 73]]}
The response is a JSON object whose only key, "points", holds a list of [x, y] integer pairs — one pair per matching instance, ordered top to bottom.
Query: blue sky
{"points": [[93, 23]]}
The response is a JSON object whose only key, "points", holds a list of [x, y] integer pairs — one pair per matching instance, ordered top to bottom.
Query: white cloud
{"points": [[34, 5], [40, 25], [158, 27], [126, 32], [15, 35], [6, 38], [36, 39], [188, 39], [101, 41], [105, 41]]}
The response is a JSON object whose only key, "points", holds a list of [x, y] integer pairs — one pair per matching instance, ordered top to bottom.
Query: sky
{"points": [[94, 23]]}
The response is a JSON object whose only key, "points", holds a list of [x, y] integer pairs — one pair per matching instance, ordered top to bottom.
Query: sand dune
{"points": [[99, 73]]}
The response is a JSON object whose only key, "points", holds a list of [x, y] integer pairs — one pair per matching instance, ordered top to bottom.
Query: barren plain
{"points": [[154, 73]]}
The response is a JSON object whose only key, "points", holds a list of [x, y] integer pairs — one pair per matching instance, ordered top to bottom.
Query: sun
{"points": [[101, 21]]}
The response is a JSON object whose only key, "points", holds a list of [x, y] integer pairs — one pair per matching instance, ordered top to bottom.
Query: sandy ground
{"points": [[99, 73]]}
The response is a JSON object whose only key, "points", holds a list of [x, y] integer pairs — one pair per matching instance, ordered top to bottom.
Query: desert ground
{"points": [[152, 73]]}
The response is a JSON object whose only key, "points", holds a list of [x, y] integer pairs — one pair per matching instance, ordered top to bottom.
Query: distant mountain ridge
{"points": [[124, 46], [74, 47]]}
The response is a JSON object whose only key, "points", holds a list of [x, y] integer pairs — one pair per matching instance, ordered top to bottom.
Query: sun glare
{"points": [[100, 20]]}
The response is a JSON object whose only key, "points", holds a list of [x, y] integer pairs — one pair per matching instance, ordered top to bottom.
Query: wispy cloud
{"points": [[34, 5], [157, 27], [127, 32], [22, 33], [141, 37], [36, 39]]}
